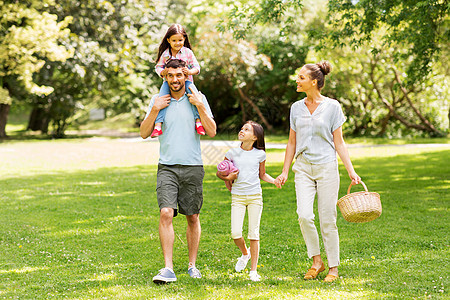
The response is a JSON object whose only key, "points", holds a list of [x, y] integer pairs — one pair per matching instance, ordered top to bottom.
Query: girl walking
{"points": [[175, 44], [314, 138], [246, 192]]}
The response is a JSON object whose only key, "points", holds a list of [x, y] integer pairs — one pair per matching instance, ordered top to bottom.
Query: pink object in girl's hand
{"points": [[226, 167]]}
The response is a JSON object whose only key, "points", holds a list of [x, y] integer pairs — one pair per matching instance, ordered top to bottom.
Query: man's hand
{"points": [[195, 98], [162, 102]]}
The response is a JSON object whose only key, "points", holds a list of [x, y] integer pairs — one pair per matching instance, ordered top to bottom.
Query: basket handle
{"points": [[350, 186]]}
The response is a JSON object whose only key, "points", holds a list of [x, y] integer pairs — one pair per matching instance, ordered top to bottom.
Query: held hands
{"points": [[281, 180]]}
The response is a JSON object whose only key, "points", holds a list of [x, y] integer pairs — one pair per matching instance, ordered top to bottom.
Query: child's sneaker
{"points": [[200, 129], [156, 132], [242, 261], [254, 276]]}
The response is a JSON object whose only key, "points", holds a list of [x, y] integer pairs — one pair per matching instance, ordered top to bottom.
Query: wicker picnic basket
{"points": [[360, 207]]}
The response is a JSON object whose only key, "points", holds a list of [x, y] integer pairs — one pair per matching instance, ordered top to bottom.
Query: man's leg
{"points": [[193, 233], [166, 235]]}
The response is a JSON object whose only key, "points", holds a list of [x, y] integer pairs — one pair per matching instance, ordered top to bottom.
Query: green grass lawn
{"points": [[94, 234]]}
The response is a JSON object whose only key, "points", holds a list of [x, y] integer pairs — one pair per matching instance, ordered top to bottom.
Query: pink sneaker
{"points": [[200, 129], [156, 132]]}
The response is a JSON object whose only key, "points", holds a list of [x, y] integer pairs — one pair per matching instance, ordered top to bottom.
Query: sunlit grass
{"points": [[78, 232]]}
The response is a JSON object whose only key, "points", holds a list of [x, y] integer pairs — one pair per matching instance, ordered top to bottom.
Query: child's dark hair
{"points": [[174, 29], [175, 63], [258, 131]]}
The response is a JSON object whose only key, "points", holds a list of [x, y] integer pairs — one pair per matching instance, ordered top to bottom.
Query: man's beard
{"points": [[180, 87]]}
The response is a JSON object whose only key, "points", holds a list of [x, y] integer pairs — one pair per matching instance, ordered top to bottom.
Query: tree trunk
{"points": [[256, 108], [4, 111], [393, 111], [244, 115], [38, 120], [424, 120], [384, 124]]}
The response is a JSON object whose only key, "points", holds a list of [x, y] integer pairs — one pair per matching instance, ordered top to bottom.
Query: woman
{"points": [[314, 138]]}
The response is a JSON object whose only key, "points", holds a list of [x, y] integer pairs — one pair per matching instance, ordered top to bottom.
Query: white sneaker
{"points": [[242, 261], [254, 276]]}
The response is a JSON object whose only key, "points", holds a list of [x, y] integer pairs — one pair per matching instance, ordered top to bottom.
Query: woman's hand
{"points": [[163, 73], [354, 177]]}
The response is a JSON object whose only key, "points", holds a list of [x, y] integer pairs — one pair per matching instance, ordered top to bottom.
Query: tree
{"points": [[415, 25], [421, 26], [28, 38], [394, 46], [110, 66]]}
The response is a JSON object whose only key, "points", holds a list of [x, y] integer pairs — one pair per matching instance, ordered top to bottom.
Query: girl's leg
{"points": [[164, 90], [198, 124], [327, 194], [255, 207], [238, 209], [240, 242], [254, 251]]}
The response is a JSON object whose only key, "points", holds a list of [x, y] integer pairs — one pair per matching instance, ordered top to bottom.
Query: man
{"points": [[180, 174]]}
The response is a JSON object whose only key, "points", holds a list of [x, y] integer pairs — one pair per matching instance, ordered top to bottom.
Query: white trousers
{"points": [[323, 180], [241, 203]]}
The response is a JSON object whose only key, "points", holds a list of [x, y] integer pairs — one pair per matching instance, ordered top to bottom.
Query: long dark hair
{"points": [[174, 29], [258, 131]]}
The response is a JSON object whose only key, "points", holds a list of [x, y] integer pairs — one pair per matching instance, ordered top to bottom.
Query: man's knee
{"points": [[166, 215], [193, 219]]}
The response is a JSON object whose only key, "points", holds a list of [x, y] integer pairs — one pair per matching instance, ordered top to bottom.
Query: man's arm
{"points": [[208, 122], [148, 124]]}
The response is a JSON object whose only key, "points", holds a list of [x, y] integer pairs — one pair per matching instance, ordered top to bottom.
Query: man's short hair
{"points": [[176, 63]]}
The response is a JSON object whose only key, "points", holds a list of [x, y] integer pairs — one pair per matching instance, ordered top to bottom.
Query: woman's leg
{"points": [[305, 188], [327, 194]]}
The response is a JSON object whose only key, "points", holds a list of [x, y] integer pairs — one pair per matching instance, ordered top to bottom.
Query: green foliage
{"points": [[419, 27], [29, 36]]}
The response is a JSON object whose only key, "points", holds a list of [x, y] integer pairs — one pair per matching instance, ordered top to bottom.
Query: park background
{"points": [[78, 215]]}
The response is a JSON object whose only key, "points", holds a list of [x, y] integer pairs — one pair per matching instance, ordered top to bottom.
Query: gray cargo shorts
{"points": [[180, 187]]}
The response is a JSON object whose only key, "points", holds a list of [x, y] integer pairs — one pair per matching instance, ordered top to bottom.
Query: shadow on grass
{"points": [[95, 234]]}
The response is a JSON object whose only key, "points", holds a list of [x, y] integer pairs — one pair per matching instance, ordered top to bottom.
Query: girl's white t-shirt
{"points": [[247, 182]]}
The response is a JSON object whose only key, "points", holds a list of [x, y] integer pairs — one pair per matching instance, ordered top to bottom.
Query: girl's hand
{"points": [[186, 71], [163, 72], [232, 176], [354, 177], [277, 183], [228, 184]]}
